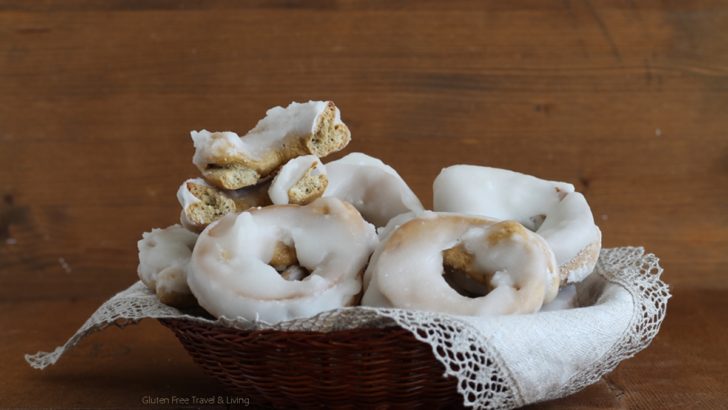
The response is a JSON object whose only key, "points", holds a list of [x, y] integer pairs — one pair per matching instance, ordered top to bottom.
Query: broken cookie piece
{"points": [[231, 162], [300, 181], [203, 204], [163, 258]]}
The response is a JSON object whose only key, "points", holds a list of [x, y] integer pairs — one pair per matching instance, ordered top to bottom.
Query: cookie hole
{"points": [[534, 222], [283, 256], [285, 261], [294, 273], [460, 274], [464, 283]]}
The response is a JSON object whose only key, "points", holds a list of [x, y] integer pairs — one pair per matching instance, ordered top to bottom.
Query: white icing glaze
{"points": [[278, 125], [210, 146], [290, 173], [374, 188], [496, 193], [394, 223], [568, 226], [384, 232], [163, 258], [406, 270], [229, 272], [294, 272], [580, 272]]}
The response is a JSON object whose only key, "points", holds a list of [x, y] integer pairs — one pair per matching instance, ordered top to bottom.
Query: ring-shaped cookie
{"points": [[373, 187], [551, 209], [409, 268], [232, 271]]}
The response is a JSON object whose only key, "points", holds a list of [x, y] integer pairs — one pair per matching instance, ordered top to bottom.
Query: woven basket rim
{"points": [[231, 328]]}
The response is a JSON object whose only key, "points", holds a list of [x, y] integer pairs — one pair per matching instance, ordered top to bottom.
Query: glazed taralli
{"points": [[230, 161], [373, 187], [551, 209], [498, 241], [407, 269], [231, 275]]}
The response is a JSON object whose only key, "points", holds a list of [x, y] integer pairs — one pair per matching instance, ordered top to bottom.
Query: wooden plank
{"points": [[624, 99]]}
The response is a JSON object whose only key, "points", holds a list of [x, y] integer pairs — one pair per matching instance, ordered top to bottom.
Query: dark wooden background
{"points": [[628, 100]]}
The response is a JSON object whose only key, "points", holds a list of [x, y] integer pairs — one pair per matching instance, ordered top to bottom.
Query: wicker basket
{"points": [[346, 368]]}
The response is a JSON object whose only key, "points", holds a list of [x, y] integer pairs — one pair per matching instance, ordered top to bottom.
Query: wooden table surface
{"points": [[627, 100]]}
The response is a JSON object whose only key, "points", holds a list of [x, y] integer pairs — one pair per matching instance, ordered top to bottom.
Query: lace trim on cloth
{"points": [[639, 274], [485, 380]]}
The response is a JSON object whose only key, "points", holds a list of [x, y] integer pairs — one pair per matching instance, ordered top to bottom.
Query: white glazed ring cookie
{"points": [[229, 161], [374, 188], [551, 209], [163, 258], [438, 262], [231, 271]]}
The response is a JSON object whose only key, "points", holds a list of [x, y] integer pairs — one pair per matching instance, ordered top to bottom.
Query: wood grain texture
{"points": [[627, 100]]}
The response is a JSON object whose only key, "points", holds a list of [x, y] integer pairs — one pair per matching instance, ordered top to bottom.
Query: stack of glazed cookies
{"points": [[271, 233]]}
